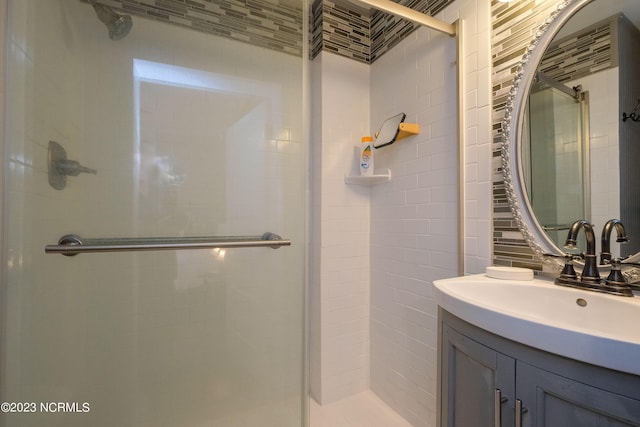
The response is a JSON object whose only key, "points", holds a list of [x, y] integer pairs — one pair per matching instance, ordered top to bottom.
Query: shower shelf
{"points": [[368, 180]]}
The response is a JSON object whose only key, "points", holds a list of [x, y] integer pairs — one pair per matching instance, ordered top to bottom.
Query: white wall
{"points": [[414, 217], [340, 285]]}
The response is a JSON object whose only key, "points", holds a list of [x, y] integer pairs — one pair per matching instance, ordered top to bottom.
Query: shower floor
{"points": [[362, 410]]}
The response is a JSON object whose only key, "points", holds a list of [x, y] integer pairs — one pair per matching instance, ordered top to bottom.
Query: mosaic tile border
{"points": [[271, 24], [514, 25], [337, 26], [342, 28], [359, 33], [593, 47], [519, 214]]}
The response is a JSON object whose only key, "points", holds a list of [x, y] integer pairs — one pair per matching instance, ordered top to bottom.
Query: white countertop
{"points": [[538, 313]]}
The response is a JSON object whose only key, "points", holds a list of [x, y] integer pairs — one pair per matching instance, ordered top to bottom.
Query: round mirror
{"points": [[572, 126]]}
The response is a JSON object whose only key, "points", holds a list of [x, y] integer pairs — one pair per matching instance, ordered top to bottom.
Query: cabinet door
{"points": [[471, 376], [552, 400]]}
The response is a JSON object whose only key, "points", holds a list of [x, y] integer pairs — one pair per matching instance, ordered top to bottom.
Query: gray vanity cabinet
{"points": [[484, 380], [478, 383], [553, 400]]}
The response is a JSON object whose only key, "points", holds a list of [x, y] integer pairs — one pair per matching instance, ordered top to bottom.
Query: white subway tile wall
{"points": [[414, 216], [411, 219], [340, 241]]}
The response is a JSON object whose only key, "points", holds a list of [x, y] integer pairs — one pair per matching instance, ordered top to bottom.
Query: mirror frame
{"points": [[511, 152]]}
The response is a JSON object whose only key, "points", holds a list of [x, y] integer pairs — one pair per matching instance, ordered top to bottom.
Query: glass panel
{"points": [[191, 134], [556, 155]]}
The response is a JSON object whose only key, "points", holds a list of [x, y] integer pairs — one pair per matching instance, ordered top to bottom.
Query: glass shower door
{"points": [[192, 136]]}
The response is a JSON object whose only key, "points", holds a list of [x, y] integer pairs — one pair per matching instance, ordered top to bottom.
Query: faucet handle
{"points": [[568, 272], [615, 277]]}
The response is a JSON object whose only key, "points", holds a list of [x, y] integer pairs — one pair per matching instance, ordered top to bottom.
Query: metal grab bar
{"points": [[72, 244]]}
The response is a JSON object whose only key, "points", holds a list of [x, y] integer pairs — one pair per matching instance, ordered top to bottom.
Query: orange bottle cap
{"points": [[367, 138]]}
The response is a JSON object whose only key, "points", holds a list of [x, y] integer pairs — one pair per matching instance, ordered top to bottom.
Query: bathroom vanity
{"points": [[530, 353], [505, 358]]}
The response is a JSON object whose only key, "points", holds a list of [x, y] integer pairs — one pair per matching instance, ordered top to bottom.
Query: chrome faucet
{"points": [[605, 246], [590, 272]]}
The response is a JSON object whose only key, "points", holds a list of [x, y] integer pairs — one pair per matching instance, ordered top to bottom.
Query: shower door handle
{"points": [[72, 244]]}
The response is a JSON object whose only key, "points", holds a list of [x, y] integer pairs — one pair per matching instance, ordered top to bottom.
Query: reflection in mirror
{"points": [[389, 131], [555, 155], [575, 158]]}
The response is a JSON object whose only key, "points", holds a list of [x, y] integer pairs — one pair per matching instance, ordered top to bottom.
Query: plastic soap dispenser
{"points": [[366, 156]]}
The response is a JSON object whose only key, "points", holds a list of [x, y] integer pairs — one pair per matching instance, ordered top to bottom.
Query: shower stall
{"points": [[183, 303]]}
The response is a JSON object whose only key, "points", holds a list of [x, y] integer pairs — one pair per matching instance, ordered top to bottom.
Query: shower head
{"points": [[117, 24]]}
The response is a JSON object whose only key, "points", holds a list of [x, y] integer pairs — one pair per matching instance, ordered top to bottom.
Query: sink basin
{"points": [[600, 329]]}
